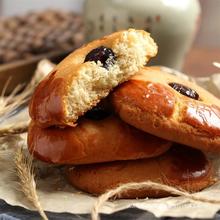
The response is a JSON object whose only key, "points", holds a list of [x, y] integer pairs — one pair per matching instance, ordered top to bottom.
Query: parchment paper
{"points": [[57, 196]]}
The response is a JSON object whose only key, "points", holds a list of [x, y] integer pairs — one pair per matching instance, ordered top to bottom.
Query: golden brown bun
{"points": [[75, 86], [147, 102], [91, 141], [181, 167]]}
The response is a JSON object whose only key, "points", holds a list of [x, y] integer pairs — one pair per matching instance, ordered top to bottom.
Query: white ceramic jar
{"points": [[172, 23]]}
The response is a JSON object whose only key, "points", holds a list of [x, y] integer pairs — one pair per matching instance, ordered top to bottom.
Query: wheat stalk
{"points": [[10, 103], [19, 128], [25, 173]]}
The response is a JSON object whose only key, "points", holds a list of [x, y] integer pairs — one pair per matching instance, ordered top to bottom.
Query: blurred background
{"points": [[186, 31]]}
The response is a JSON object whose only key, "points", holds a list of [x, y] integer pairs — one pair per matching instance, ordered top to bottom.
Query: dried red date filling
{"points": [[103, 54], [185, 90]]}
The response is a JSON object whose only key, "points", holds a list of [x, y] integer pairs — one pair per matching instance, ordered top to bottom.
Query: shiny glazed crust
{"points": [[74, 87], [148, 103], [91, 141], [182, 167]]}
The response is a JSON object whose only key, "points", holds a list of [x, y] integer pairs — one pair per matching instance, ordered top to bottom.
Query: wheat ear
{"points": [[25, 173]]}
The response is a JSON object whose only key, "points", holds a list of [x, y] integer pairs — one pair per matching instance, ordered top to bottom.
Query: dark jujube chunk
{"points": [[103, 54], [184, 90], [98, 113]]}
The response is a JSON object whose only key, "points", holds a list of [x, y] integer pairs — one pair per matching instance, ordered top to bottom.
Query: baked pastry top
{"points": [[171, 108]]}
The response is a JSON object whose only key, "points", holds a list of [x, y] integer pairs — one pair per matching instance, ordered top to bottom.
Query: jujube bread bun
{"points": [[87, 75], [166, 106], [93, 141], [182, 167]]}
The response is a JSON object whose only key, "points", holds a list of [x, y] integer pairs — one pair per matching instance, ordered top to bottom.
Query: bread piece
{"points": [[75, 86], [147, 102], [91, 141], [181, 167]]}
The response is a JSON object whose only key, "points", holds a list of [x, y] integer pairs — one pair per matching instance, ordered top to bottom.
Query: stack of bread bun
{"points": [[111, 120]]}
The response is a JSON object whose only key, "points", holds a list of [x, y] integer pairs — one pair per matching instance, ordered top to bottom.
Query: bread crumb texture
{"points": [[132, 50]]}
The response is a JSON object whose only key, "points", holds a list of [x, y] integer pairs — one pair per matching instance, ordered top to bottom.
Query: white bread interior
{"points": [[94, 82]]}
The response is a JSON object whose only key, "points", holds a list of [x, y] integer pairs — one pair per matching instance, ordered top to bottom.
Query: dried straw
{"points": [[9, 104], [19, 128], [25, 174], [143, 185]]}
